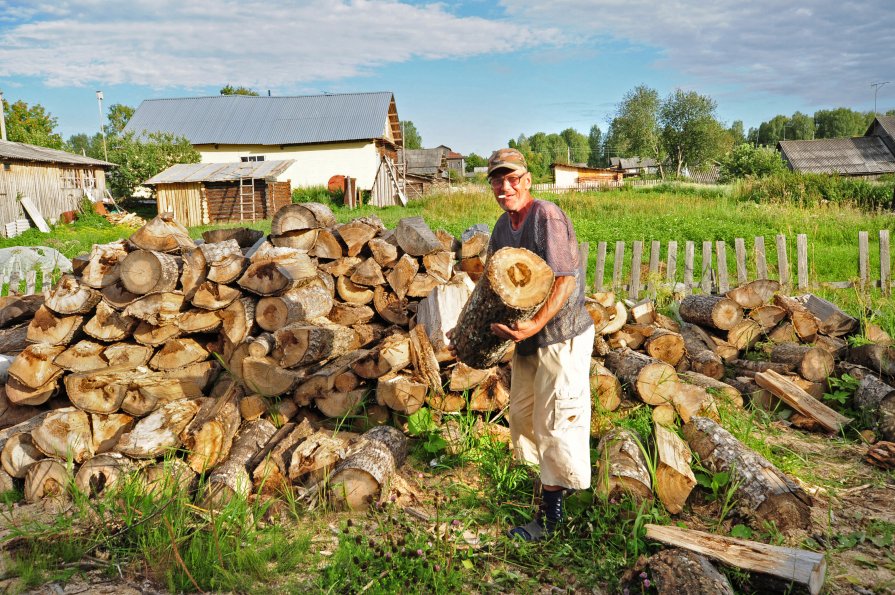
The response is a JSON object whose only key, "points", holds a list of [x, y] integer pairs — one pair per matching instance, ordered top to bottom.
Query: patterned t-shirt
{"points": [[547, 231]]}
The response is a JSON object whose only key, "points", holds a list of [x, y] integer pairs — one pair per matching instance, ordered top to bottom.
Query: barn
{"points": [[356, 135], [871, 155], [56, 181], [204, 193]]}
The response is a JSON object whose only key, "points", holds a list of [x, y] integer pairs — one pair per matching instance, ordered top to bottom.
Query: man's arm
{"points": [[563, 287]]}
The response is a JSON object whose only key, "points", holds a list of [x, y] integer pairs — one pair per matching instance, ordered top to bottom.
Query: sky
{"points": [[470, 74]]}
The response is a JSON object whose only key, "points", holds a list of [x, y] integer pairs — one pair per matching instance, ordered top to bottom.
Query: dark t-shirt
{"points": [[547, 232]]}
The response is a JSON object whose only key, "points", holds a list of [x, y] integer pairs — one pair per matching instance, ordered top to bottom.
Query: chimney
{"points": [[2, 119]]}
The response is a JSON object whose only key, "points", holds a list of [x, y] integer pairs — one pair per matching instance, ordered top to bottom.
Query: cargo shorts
{"points": [[550, 408]]}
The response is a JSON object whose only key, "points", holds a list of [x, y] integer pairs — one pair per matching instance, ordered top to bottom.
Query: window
{"points": [[253, 158]]}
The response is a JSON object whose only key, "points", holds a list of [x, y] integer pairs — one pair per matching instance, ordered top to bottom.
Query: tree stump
{"points": [[362, 476]]}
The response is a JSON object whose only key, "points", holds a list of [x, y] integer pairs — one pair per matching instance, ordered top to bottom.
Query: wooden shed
{"points": [[566, 175], [56, 181], [203, 193]]}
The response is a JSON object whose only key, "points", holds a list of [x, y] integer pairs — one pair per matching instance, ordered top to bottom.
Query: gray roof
{"points": [[247, 120], [887, 123], [26, 152], [864, 155], [424, 162], [632, 162], [220, 172]]}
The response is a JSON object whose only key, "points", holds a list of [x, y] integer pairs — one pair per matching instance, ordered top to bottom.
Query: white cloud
{"points": [[190, 44], [822, 51]]}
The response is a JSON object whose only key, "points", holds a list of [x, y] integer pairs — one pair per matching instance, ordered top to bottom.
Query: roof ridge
{"points": [[272, 96]]}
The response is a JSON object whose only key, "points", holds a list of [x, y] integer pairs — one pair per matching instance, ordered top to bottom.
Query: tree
{"points": [[231, 90], [119, 116], [841, 122], [33, 125], [800, 127], [634, 131], [772, 131], [690, 133], [737, 133], [412, 138], [83, 144], [595, 144], [578, 145], [139, 159], [746, 160], [473, 161]]}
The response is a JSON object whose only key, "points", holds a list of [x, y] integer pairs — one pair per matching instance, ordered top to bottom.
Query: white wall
{"points": [[314, 164], [565, 176]]}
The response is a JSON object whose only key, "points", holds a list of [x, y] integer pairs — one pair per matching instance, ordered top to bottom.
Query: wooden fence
{"points": [[712, 275]]}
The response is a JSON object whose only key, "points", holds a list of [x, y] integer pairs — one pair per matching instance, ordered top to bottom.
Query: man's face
{"points": [[512, 190]]}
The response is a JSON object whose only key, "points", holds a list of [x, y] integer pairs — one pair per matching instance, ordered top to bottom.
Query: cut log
{"points": [[296, 217], [162, 234], [355, 236], [245, 237], [415, 238], [302, 239], [474, 242], [327, 246], [384, 253], [224, 261], [440, 265], [474, 266], [102, 267], [343, 267], [145, 271], [193, 273], [368, 274], [402, 274], [277, 276], [422, 285], [515, 285], [353, 293], [754, 294], [70, 296], [117, 296], [211, 296], [297, 305], [390, 307], [157, 308], [15, 309], [714, 311], [598, 313], [643, 313], [350, 314], [768, 316], [831, 319], [198, 320], [238, 320], [616, 320], [805, 324], [109, 325], [50, 328], [872, 331], [371, 333], [783, 333], [744, 334], [153, 336], [631, 336], [15, 339], [303, 344], [666, 346], [836, 346], [725, 350], [178, 353], [700, 353], [392, 355], [83, 356], [876, 357], [424, 361], [813, 363], [34, 366], [748, 367], [263, 375], [324, 378], [464, 378], [652, 381], [605, 388], [716, 388], [102, 391], [20, 393], [492, 393], [401, 394], [874, 398], [690, 400], [801, 401], [445, 402], [338, 404], [12, 414], [665, 415], [107, 430], [159, 431], [65, 433], [210, 438], [18, 454], [315, 457], [270, 465], [622, 467], [103, 472], [169, 476], [363, 476], [48, 478], [231, 478], [674, 478], [762, 492], [790, 564], [675, 571]]}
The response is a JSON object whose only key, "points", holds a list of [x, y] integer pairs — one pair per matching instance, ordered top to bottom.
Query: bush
{"points": [[747, 161], [812, 189], [317, 194]]}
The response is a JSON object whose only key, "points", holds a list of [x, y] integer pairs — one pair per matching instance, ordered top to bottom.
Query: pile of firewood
{"points": [[157, 344]]}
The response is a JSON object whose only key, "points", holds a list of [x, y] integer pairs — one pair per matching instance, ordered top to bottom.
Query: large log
{"points": [[162, 234], [415, 238], [145, 271], [515, 285], [70, 296], [297, 305], [714, 311], [302, 344], [876, 357], [812, 363], [654, 382], [801, 401], [65, 433], [622, 466], [363, 476], [231, 478], [763, 493], [677, 571]]}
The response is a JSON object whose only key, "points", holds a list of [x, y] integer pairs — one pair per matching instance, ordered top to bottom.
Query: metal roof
{"points": [[248, 120], [887, 123], [26, 152], [864, 155], [220, 172]]}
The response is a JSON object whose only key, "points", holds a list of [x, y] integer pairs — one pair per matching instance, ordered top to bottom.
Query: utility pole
{"points": [[876, 87], [102, 130]]}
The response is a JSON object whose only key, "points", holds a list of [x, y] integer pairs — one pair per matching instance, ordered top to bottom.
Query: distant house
{"points": [[351, 134], [870, 155], [454, 160], [634, 166], [425, 168], [569, 175], [55, 180], [203, 193]]}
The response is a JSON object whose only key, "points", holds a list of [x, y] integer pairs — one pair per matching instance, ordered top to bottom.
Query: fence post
{"points": [[739, 245], [655, 247], [721, 252], [689, 253], [863, 257], [802, 260], [782, 261], [636, 262], [885, 262], [761, 263], [618, 266], [600, 269], [671, 269], [706, 280]]}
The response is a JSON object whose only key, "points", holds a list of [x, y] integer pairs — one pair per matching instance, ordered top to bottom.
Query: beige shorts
{"points": [[550, 409]]}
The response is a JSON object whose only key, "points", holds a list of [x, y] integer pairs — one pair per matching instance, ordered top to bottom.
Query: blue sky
{"points": [[469, 74]]}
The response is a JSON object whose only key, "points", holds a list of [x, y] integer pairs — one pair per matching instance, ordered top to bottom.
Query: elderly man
{"points": [[550, 389]]}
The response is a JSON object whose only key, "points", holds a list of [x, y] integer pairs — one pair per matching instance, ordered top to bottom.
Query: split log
{"points": [[296, 217], [162, 234], [355, 236], [244, 237], [415, 238], [300, 239], [474, 242], [327, 246], [384, 253], [224, 261], [440, 265], [473, 266], [102, 267], [341, 267], [145, 271], [367, 274], [402, 274], [278, 275], [422, 285], [515, 285], [353, 293], [754, 294], [70, 296], [117, 296], [212, 296], [390, 307], [157, 308], [14, 309], [714, 311], [598, 313], [349, 314], [768, 316], [831, 319], [198, 320], [238, 320], [804, 323], [109, 325], [50, 328], [371, 333], [783, 333], [744, 334], [153, 336], [631, 336], [15, 339], [302, 344], [261, 345], [665, 345], [836, 346], [725, 350], [700, 352], [178, 353], [392, 355], [83, 356], [876, 357], [424, 361], [813, 363], [34, 366], [748, 367], [264, 375], [464, 378], [324, 379], [654, 382], [604, 387], [714, 387], [102, 391], [150, 391], [20, 393], [492, 393], [401, 394], [874, 398], [690, 400], [801, 401], [446, 402], [338, 404], [12, 414], [665, 415], [106, 430], [159, 431], [65, 433], [210, 435], [18, 454], [315, 457], [622, 467], [103, 472], [270, 474], [169, 476], [363, 476], [48, 478], [231, 478], [674, 478], [762, 492], [789, 564], [675, 571]]}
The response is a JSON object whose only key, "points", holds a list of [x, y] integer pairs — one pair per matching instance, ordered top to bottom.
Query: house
{"points": [[356, 135], [870, 155], [454, 160], [634, 166], [425, 169], [568, 175], [56, 181], [203, 193]]}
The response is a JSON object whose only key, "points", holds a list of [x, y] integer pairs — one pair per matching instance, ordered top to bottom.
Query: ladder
{"points": [[395, 180], [246, 197]]}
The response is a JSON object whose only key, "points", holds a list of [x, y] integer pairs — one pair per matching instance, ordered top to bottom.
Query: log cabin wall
{"points": [[54, 187], [279, 195], [222, 200], [185, 201]]}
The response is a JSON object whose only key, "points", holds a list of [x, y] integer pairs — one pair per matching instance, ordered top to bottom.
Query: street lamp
{"points": [[876, 87], [102, 130]]}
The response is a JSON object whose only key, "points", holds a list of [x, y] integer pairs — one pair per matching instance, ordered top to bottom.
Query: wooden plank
{"points": [[34, 213], [739, 245], [655, 247], [721, 252], [689, 253], [583, 255], [863, 258], [782, 261], [802, 261], [885, 262], [636, 263], [761, 263], [618, 265], [671, 268], [600, 269], [706, 281], [794, 396], [801, 566]]}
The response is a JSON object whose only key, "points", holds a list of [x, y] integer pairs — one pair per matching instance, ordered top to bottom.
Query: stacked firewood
{"points": [[157, 344]]}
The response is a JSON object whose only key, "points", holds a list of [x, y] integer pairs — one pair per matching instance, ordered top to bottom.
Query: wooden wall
{"points": [[54, 188], [222, 199], [185, 201]]}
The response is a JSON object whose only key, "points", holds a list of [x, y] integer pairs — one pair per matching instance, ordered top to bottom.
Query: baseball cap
{"points": [[510, 159]]}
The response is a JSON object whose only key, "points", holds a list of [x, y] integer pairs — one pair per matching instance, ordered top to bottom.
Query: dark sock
{"points": [[551, 509]]}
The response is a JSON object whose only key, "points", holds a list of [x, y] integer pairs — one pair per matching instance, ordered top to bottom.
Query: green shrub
{"points": [[747, 161], [808, 190], [317, 194]]}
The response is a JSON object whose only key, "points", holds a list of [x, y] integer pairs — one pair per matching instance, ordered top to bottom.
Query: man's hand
{"points": [[518, 331], [450, 344]]}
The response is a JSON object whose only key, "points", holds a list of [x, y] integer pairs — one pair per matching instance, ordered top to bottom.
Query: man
{"points": [[549, 389]]}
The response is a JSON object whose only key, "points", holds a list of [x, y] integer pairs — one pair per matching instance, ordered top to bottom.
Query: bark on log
{"points": [[306, 215], [162, 234], [415, 238], [103, 265], [145, 271], [515, 284], [754, 294], [70, 296], [15, 309], [713, 311], [831, 319], [804, 323], [15, 339], [303, 344], [666, 346], [700, 352], [876, 357], [423, 358], [812, 363], [748, 367], [654, 382], [715, 387], [605, 388], [875, 398], [801, 401], [159, 431], [65, 433], [622, 467], [103, 472], [362, 477], [48, 478], [231, 478], [674, 478], [763, 493], [677, 571]]}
